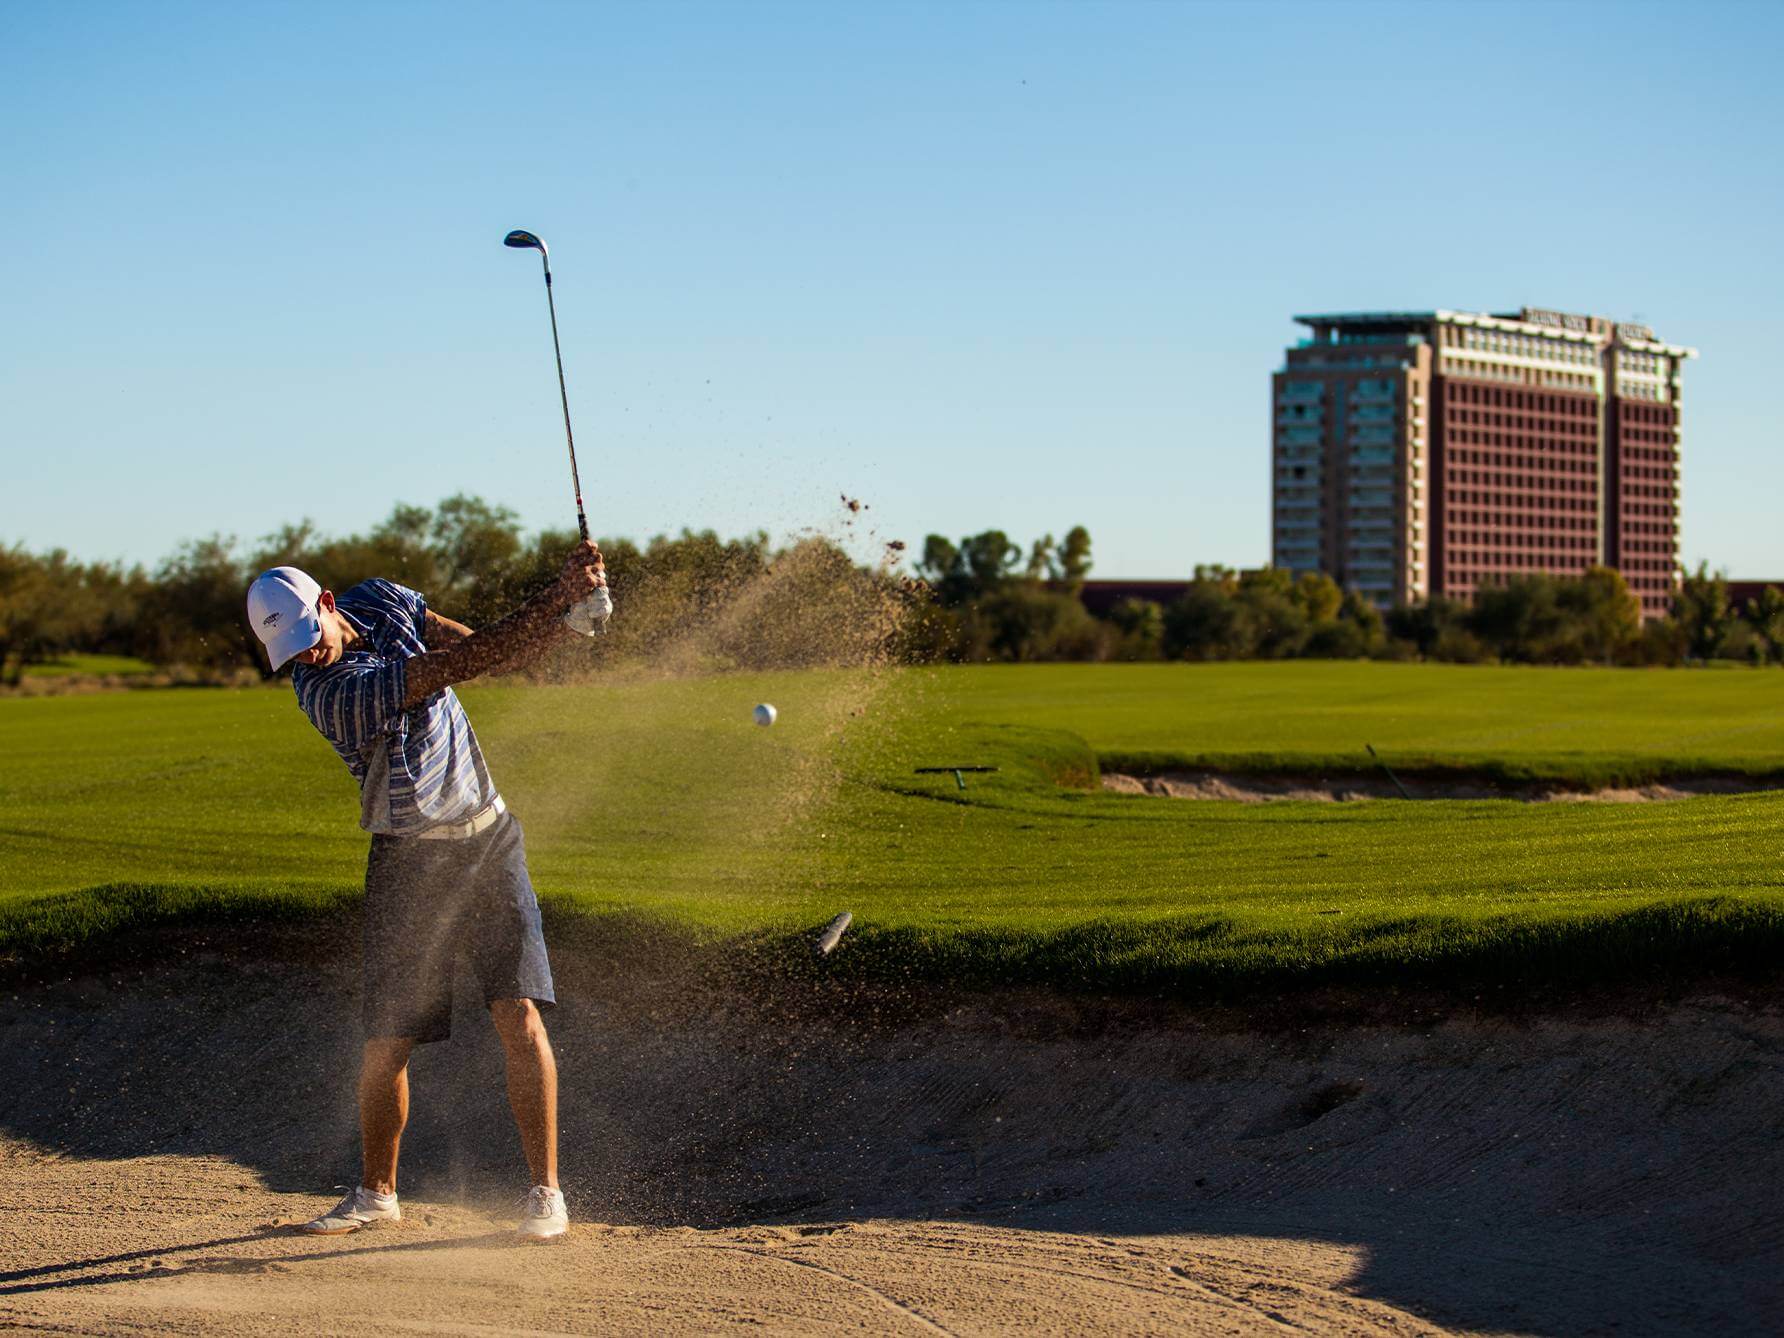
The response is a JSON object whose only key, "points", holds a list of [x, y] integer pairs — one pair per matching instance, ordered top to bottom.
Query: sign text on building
{"points": [[1563, 320]]}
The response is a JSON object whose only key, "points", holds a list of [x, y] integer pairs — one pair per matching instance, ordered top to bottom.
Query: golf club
{"points": [[522, 240]]}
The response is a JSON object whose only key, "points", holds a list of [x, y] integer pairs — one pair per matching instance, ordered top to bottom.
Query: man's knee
{"points": [[519, 1023], [385, 1056]]}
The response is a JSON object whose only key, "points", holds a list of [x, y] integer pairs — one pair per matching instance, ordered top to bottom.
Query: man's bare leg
{"points": [[532, 1083], [383, 1108]]}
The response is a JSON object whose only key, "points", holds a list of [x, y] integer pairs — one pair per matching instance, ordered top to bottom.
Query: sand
{"points": [[1244, 789], [924, 1164]]}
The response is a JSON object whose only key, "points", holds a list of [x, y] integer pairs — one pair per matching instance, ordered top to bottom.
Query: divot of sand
{"points": [[1259, 789]]}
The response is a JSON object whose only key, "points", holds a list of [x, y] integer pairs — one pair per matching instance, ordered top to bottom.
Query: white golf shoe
{"points": [[361, 1208], [545, 1217]]}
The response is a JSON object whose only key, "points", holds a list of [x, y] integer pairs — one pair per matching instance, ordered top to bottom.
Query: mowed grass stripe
{"points": [[1594, 726], [662, 800]]}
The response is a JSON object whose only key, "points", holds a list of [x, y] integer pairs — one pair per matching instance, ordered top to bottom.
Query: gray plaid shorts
{"points": [[428, 901]]}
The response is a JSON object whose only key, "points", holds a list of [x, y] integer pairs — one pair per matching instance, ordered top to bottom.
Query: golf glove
{"points": [[589, 618]]}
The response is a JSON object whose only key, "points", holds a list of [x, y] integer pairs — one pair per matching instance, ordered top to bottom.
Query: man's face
{"points": [[328, 649]]}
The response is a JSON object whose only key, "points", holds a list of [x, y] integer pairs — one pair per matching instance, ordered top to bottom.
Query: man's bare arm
{"points": [[441, 632], [522, 636], [520, 650]]}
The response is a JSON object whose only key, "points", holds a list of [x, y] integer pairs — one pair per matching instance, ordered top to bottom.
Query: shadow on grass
{"points": [[104, 923], [1200, 958], [1218, 959]]}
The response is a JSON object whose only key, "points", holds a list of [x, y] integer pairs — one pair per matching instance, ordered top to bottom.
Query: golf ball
{"points": [[765, 714]]}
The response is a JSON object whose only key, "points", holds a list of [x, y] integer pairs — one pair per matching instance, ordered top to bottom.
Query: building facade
{"points": [[1430, 453]]}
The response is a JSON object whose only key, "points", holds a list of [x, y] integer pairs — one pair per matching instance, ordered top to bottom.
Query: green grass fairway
{"points": [[90, 666], [1593, 726], [662, 799]]}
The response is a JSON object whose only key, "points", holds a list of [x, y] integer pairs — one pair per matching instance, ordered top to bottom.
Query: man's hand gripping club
{"points": [[589, 615]]}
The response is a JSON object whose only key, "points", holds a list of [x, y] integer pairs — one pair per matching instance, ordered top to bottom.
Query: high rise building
{"points": [[1431, 453]]}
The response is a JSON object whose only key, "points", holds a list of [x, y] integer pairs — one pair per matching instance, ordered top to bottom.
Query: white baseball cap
{"points": [[282, 607]]}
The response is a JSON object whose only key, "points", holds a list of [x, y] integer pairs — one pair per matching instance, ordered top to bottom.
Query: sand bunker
{"points": [[1194, 784], [976, 1166]]}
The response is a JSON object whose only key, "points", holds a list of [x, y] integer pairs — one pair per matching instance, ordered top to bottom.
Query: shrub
{"points": [[1141, 624], [1457, 645]]}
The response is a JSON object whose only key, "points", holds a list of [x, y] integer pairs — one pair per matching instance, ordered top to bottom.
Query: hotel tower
{"points": [[1431, 453]]}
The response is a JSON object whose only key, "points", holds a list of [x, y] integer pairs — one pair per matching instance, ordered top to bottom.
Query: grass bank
{"points": [[657, 807]]}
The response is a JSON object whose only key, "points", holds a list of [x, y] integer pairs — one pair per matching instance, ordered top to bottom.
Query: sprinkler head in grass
{"points": [[958, 772]]}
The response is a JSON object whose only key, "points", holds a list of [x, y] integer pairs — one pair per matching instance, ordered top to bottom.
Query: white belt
{"points": [[458, 831]]}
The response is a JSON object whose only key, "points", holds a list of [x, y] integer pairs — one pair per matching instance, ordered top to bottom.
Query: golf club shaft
{"points": [[564, 397]]}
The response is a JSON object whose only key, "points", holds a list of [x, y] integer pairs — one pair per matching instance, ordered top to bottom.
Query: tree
{"points": [[475, 545], [289, 546], [404, 550], [988, 557], [1073, 557], [944, 567], [977, 568], [1318, 595], [27, 611], [1703, 612], [195, 613], [1361, 614], [1765, 614], [1604, 616], [1275, 620], [1522, 620], [1027, 621], [1141, 623], [1206, 624], [1425, 625]]}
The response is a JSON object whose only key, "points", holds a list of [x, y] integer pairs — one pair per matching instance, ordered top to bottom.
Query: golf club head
{"points": [[524, 241]]}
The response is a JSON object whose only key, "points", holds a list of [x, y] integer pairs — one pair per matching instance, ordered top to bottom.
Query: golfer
{"points": [[373, 669]]}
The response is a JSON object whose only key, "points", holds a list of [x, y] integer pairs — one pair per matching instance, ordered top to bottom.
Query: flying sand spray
{"points": [[590, 617]]}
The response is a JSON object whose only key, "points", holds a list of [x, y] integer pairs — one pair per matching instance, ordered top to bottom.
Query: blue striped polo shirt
{"points": [[415, 768]]}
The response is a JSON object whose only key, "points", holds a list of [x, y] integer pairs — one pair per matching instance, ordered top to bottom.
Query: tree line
{"points": [[692, 598], [698, 599], [992, 604]]}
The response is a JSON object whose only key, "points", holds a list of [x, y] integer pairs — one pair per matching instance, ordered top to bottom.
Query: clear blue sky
{"points": [[980, 264]]}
